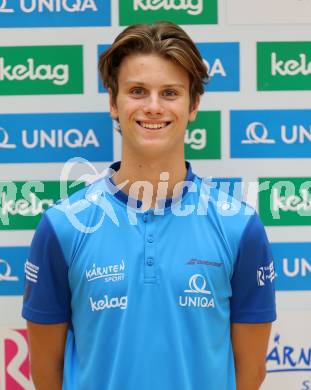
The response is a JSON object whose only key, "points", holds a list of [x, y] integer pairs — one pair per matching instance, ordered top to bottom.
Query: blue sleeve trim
{"points": [[253, 291], [47, 296], [258, 317]]}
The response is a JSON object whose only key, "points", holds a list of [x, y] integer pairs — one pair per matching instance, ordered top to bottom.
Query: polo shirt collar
{"points": [[123, 196]]}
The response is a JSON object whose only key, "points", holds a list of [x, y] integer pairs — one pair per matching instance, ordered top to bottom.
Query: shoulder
{"points": [[231, 217]]}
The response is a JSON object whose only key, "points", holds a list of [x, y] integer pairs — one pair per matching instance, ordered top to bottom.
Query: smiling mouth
{"points": [[153, 126]]}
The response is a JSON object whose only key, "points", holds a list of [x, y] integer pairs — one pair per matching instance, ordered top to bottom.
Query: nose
{"points": [[153, 105]]}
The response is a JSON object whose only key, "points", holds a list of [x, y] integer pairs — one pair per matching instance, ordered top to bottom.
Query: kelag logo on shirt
{"points": [[177, 11], [54, 13], [222, 60], [223, 63], [283, 66], [32, 70], [270, 133], [55, 137], [202, 138], [285, 201], [22, 203], [12, 261], [292, 265], [14, 356]]}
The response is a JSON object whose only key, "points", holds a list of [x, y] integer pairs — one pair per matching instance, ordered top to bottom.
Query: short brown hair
{"points": [[163, 38]]}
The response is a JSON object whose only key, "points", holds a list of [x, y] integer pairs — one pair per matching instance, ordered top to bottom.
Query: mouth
{"points": [[153, 126]]}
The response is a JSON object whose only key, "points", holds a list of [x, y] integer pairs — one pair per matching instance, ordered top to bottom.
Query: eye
{"points": [[137, 91], [170, 93]]}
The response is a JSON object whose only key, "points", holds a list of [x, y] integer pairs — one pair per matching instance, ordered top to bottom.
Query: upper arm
{"points": [[47, 341], [250, 343], [47, 347]]}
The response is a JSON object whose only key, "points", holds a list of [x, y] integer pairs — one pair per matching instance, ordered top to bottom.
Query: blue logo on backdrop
{"points": [[54, 13], [222, 60], [270, 133], [26, 138], [293, 266], [12, 270], [286, 357]]}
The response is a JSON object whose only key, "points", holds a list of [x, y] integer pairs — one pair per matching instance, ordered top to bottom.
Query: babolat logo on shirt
{"points": [[177, 11], [54, 13], [223, 63], [283, 66], [31, 70], [270, 133], [36, 137], [202, 137], [285, 201], [22, 203], [12, 261], [293, 265], [197, 295]]}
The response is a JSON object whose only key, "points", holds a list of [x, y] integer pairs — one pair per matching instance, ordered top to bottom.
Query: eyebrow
{"points": [[176, 85]]}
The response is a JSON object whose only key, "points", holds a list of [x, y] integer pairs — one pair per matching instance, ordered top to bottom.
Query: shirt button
{"points": [[145, 218], [150, 239], [150, 261]]}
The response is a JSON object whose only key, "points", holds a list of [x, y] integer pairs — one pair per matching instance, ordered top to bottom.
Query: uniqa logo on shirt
{"points": [[178, 11], [54, 13], [283, 66], [30, 70], [205, 127], [270, 133], [285, 201], [22, 203], [197, 295]]}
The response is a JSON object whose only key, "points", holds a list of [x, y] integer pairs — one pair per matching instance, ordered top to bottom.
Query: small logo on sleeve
{"points": [[31, 272], [265, 274]]}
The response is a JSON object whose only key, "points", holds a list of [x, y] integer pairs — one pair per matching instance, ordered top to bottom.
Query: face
{"points": [[152, 105]]}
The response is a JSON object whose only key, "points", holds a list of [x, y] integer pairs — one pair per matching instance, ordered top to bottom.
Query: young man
{"points": [[164, 293]]}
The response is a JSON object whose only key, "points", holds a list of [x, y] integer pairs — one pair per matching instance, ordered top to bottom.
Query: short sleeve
{"points": [[252, 283], [47, 294]]}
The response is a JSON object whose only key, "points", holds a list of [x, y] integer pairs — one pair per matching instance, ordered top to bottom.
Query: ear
{"points": [[112, 106], [194, 109]]}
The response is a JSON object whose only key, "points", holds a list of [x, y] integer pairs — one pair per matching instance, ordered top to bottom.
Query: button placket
{"points": [[149, 260]]}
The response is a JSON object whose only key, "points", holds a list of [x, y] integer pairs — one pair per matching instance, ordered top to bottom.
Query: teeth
{"points": [[153, 125]]}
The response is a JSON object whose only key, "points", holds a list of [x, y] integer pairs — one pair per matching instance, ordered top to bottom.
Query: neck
{"points": [[150, 180]]}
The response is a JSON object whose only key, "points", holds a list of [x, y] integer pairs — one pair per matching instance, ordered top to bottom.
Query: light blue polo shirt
{"points": [[149, 296]]}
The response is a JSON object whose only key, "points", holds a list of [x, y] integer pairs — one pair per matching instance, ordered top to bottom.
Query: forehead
{"points": [[151, 68]]}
